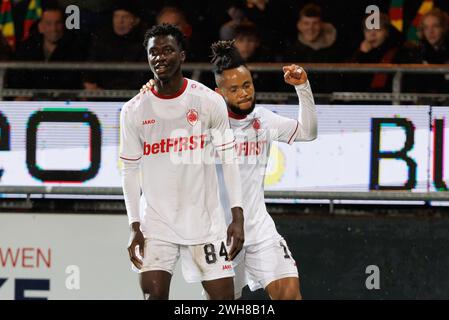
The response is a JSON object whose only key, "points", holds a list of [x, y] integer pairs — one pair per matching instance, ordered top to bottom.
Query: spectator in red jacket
{"points": [[378, 46]]}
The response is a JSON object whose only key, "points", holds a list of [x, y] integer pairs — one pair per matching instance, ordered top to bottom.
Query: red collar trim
{"points": [[172, 96], [235, 116]]}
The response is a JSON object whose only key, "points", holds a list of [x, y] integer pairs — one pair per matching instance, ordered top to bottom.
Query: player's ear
{"points": [[183, 56], [218, 90]]}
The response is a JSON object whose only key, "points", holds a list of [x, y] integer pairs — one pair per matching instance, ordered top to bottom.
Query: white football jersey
{"points": [[254, 135], [174, 139]]}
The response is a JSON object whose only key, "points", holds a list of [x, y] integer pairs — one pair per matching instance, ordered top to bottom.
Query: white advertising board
{"points": [[72, 256]]}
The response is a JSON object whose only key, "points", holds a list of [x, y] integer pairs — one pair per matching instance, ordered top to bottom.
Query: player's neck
{"points": [[170, 87], [236, 116]]}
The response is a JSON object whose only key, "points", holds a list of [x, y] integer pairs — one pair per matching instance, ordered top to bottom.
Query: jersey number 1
{"points": [[286, 255]]}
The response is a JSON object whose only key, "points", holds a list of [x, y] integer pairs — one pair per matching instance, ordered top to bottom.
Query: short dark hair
{"points": [[128, 6], [53, 8], [171, 9], [310, 10], [246, 29], [165, 30], [225, 56]]}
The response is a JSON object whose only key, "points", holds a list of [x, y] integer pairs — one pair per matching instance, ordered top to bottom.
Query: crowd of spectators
{"points": [[264, 31]]}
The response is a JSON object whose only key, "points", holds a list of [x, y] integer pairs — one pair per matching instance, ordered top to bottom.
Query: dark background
{"points": [[278, 23], [408, 244]]}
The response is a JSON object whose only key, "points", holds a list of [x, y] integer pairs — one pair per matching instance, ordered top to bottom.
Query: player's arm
{"points": [[307, 117], [305, 127], [224, 142], [130, 154], [231, 176]]}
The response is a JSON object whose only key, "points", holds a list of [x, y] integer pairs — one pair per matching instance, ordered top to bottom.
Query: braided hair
{"points": [[225, 56]]}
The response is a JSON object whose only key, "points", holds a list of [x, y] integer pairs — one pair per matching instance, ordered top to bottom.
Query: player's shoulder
{"points": [[204, 92], [133, 104], [263, 112], [266, 115]]}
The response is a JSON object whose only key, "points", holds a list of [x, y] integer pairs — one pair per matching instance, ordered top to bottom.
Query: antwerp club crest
{"points": [[192, 117], [256, 124]]}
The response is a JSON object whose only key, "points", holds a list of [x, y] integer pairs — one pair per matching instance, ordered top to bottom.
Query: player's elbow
{"points": [[313, 133], [309, 136], [312, 136], [307, 139], [129, 165]]}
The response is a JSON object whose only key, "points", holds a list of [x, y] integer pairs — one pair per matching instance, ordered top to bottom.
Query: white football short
{"points": [[201, 262], [259, 264]]}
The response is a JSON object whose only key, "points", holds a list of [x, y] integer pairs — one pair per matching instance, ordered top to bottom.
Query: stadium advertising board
{"points": [[359, 148], [89, 260]]}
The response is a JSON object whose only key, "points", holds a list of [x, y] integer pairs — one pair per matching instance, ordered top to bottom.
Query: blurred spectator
{"points": [[236, 12], [263, 13], [266, 14], [175, 16], [316, 40], [119, 41], [52, 43], [315, 43], [249, 44], [434, 44], [378, 46], [433, 48], [5, 49], [196, 51]]}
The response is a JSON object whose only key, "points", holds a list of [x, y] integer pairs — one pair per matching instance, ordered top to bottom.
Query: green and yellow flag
{"points": [[425, 7], [33, 14], [396, 14], [397, 19], [7, 23]]}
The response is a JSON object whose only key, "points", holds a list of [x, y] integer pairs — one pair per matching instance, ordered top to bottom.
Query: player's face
{"points": [[165, 57], [237, 88]]}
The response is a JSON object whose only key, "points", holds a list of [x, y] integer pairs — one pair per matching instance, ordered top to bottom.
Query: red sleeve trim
{"points": [[294, 133], [222, 145], [130, 159]]}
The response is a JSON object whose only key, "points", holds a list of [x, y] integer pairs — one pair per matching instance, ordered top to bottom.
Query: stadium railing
{"points": [[396, 96], [316, 195], [331, 196]]}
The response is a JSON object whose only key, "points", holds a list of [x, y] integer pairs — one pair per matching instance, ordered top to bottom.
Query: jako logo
{"points": [[148, 121]]}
